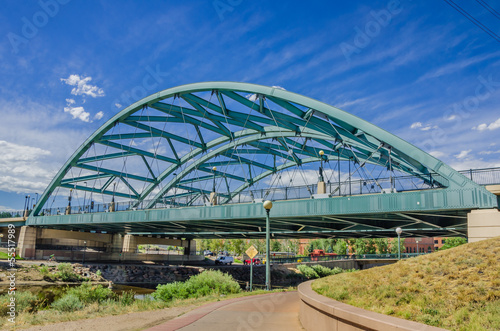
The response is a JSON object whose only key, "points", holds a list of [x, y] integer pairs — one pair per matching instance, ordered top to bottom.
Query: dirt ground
{"points": [[126, 322]]}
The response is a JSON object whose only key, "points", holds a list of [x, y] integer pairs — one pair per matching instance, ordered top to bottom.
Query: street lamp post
{"points": [[321, 179], [213, 195], [84, 196], [267, 206], [68, 208], [399, 231], [417, 240], [83, 260]]}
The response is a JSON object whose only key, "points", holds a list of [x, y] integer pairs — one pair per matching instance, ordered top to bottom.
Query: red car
{"points": [[255, 261]]}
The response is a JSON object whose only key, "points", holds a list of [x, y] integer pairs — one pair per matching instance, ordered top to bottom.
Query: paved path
{"points": [[274, 311]]}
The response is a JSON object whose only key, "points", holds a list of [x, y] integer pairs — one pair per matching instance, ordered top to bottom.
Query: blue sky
{"points": [[417, 69]]}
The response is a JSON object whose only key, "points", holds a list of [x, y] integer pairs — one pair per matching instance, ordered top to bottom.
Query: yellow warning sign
{"points": [[251, 252]]}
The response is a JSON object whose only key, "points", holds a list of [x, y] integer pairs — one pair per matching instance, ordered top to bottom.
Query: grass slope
{"points": [[456, 289]]}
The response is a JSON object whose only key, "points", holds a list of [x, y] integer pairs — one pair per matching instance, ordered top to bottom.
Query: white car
{"points": [[224, 260]]}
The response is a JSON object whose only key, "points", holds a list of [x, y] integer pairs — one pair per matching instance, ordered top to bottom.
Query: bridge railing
{"points": [[488, 176], [11, 213], [299, 259]]}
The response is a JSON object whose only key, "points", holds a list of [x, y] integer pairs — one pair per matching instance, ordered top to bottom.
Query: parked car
{"points": [[208, 253], [224, 260], [254, 261]]}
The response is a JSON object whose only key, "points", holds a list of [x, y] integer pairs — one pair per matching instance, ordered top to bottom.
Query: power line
{"points": [[489, 8], [472, 19]]}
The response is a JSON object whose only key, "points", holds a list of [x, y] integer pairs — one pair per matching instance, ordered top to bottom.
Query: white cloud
{"points": [[81, 86], [252, 97], [70, 101], [117, 105], [78, 112], [99, 115], [452, 117], [416, 125], [492, 126], [480, 127], [427, 128], [489, 152], [437, 154], [463, 154], [20, 170], [3, 208]]}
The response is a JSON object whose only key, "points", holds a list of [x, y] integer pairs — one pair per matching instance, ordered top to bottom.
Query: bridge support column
{"points": [[321, 187], [213, 198], [483, 224], [129, 243], [116, 244], [26, 246], [190, 248]]}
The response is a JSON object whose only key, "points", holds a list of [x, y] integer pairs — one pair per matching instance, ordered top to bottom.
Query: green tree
{"points": [[453, 242], [202, 244], [259, 244], [216, 245], [275, 245], [382, 245], [237, 246], [359, 246], [371, 246], [340, 247], [393, 249]]}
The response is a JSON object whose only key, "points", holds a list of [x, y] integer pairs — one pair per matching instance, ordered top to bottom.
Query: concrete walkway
{"points": [[274, 311]]}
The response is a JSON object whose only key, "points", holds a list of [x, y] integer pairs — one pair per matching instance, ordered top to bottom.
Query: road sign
{"points": [[251, 252]]}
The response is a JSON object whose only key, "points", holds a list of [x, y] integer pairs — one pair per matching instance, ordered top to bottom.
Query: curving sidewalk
{"points": [[273, 311], [320, 313]]}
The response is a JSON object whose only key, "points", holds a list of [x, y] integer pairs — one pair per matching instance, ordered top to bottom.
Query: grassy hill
{"points": [[456, 289]]}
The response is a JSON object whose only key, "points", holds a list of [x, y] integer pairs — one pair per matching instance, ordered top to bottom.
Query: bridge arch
{"points": [[178, 141]]}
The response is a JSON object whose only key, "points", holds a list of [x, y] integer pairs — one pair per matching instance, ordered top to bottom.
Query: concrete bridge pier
{"points": [[483, 224], [26, 246]]}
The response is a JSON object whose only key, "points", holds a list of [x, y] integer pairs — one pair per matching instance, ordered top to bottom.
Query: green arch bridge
{"points": [[196, 161]]}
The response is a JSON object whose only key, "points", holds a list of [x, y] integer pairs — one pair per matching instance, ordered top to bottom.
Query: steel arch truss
{"points": [[183, 141]]}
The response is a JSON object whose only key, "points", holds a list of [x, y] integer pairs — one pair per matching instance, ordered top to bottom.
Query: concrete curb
{"points": [[319, 313]]}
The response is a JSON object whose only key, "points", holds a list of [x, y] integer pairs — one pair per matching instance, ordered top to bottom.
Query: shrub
{"points": [[44, 270], [307, 271], [318, 271], [324, 271], [65, 272], [98, 273], [206, 283], [88, 293], [127, 298], [25, 302], [69, 302]]}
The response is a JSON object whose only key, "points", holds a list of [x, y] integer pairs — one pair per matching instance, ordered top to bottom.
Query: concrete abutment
{"points": [[483, 224]]}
